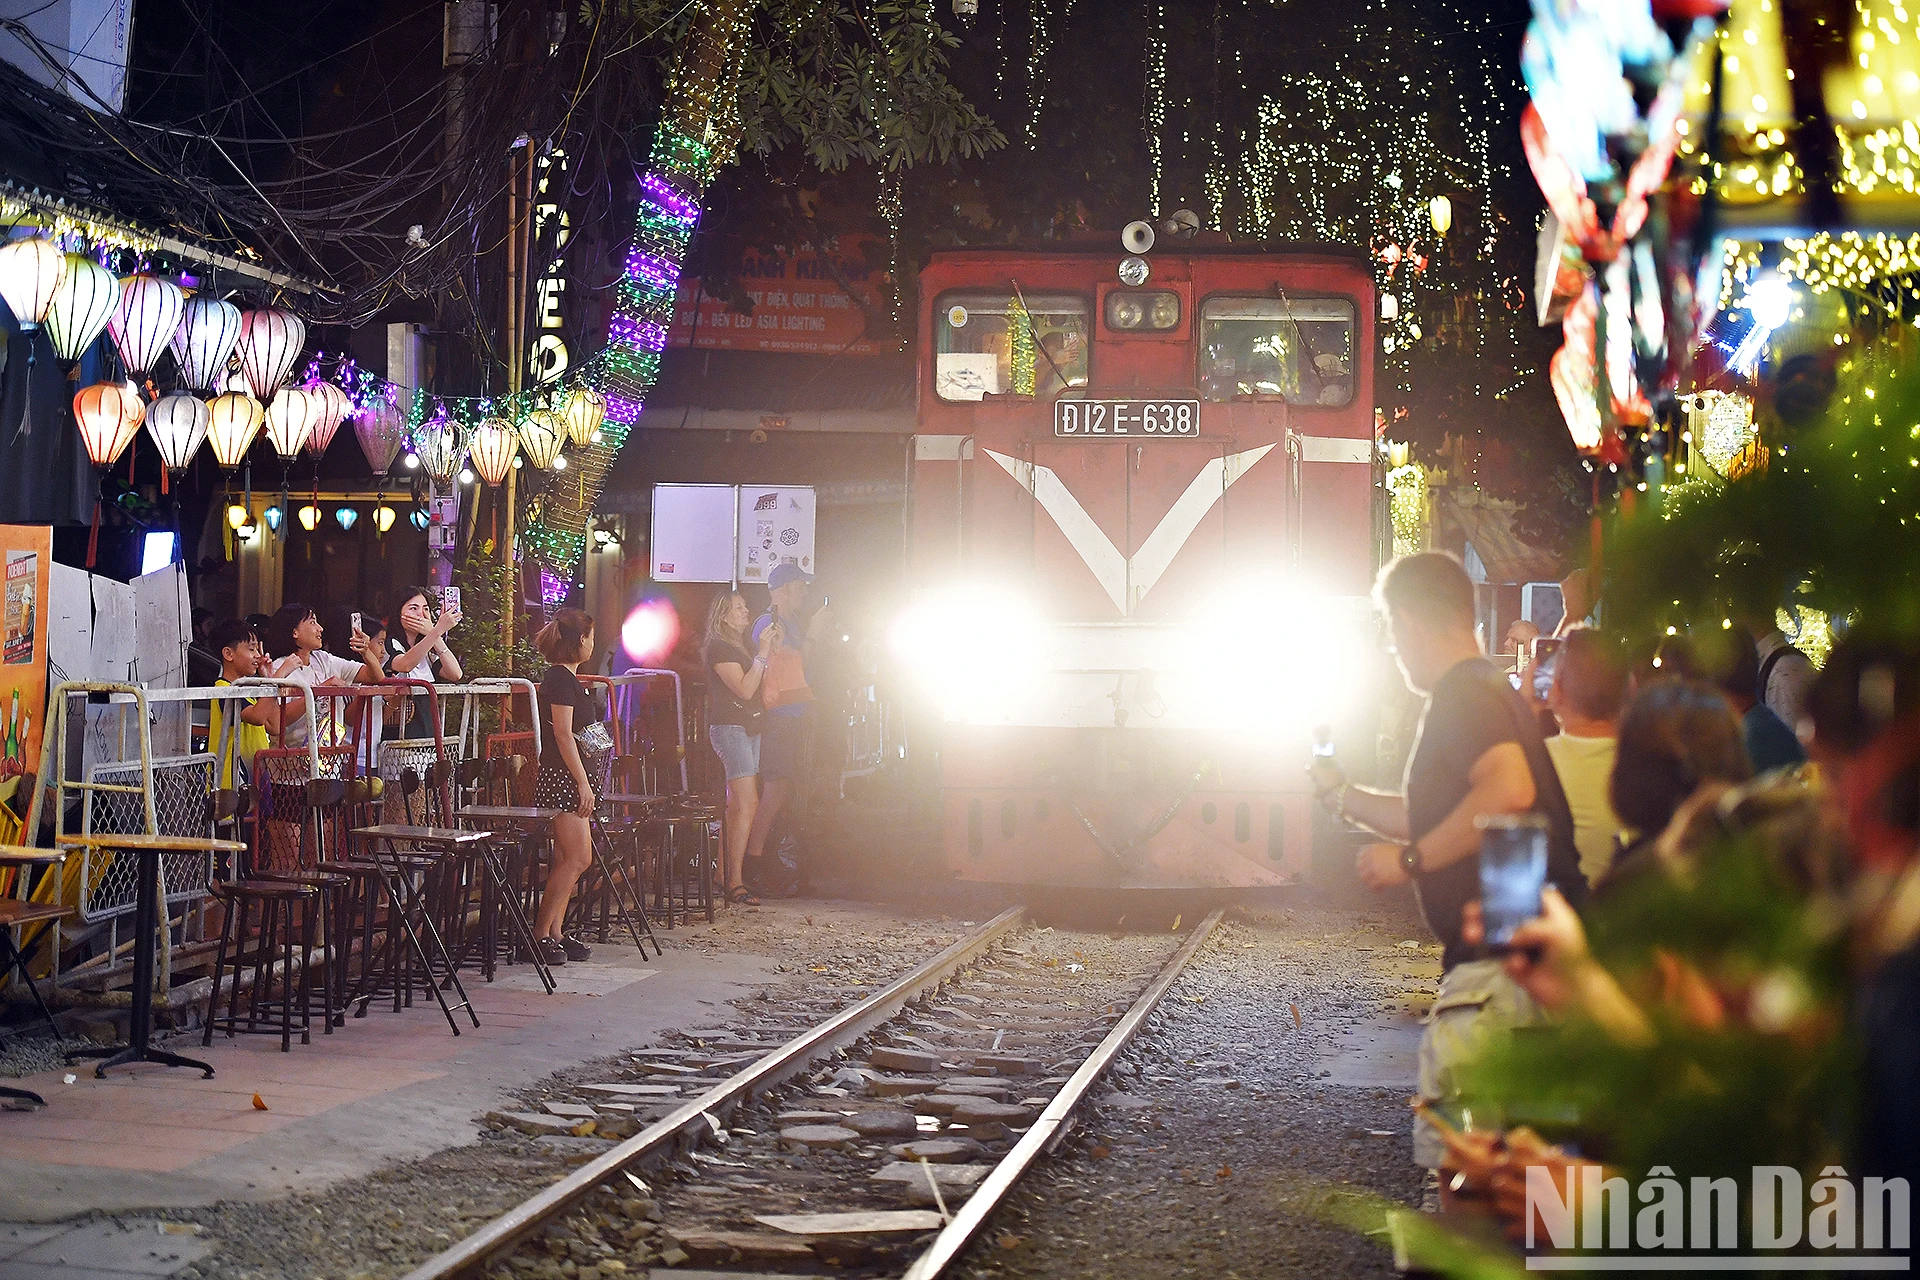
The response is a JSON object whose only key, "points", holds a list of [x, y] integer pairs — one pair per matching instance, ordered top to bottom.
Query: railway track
{"points": [[954, 1079]]}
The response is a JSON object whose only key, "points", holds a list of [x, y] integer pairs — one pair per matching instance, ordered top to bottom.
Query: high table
{"points": [[529, 824], [406, 900], [17, 912], [146, 928]]}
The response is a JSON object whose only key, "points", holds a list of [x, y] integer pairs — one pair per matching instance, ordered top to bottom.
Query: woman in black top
{"points": [[566, 642], [417, 650], [733, 714]]}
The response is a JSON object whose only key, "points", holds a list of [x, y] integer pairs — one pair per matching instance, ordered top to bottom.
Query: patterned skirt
{"points": [[555, 788]]}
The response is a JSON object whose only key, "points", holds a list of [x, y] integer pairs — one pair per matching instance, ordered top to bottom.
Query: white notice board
{"points": [[776, 527], [693, 532]]}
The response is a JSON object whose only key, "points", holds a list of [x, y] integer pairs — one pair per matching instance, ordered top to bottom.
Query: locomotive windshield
{"points": [[1299, 348], [979, 353]]}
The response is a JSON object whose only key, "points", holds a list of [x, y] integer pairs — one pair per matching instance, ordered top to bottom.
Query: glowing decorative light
{"points": [[1440, 210], [30, 272], [1769, 300], [81, 306], [144, 321], [203, 343], [269, 343], [334, 408], [585, 409], [108, 414], [233, 419], [290, 421], [178, 426], [381, 430], [541, 435], [439, 447], [494, 448], [413, 461], [560, 464], [466, 475], [237, 516], [309, 516], [273, 517], [346, 517], [383, 517], [417, 518], [248, 531], [650, 631]]}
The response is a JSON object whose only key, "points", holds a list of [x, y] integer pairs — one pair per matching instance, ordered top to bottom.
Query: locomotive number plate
{"points": [[1106, 419]]}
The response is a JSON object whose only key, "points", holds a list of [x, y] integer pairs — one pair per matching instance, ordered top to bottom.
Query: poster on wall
{"points": [[801, 303], [776, 527], [693, 532], [28, 551]]}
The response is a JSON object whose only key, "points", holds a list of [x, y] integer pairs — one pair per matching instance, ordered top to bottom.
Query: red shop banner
{"points": [[798, 305]]}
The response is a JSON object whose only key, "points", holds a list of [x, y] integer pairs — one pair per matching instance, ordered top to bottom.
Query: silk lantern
{"points": [[30, 272], [81, 306], [144, 321], [270, 341], [203, 343], [334, 408], [583, 412], [108, 415], [233, 420], [290, 422], [178, 426], [381, 431], [541, 436], [439, 447], [492, 447]]}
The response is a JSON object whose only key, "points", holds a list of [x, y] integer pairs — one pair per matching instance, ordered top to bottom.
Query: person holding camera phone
{"points": [[418, 650], [736, 721], [1478, 755]]}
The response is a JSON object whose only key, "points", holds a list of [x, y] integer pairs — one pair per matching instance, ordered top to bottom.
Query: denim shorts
{"points": [[739, 751]]}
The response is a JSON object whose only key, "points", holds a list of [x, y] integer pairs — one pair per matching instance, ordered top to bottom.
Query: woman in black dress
{"points": [[566, 642], [417, 650]]}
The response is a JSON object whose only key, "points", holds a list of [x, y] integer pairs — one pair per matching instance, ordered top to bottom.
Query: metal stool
{"points": [[276, 901]]}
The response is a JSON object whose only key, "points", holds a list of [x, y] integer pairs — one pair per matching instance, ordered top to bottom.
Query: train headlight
{"points": [[1158, 310], [1125, 312], [972, 649]]}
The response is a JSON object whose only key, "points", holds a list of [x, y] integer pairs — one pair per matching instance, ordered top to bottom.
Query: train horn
{"points": [[1182, 224], [1137, 237]]}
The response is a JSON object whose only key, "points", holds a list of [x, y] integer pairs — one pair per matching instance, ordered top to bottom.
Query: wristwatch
{"points": [[1410, 858]]}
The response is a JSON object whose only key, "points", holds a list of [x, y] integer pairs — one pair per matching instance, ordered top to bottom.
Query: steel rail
{"points": [[1051, 1126], [472, 1253]]}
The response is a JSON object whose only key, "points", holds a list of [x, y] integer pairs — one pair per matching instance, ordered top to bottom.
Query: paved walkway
{"points": [[383, 1088]]}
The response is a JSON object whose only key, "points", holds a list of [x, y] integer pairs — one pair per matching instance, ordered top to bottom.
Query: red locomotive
{"points": [[1143, 524]]}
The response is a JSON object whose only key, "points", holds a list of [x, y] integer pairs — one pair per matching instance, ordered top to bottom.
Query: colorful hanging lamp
{"points": [[30, 271], [81, 306], [144, 321], [203, 343], [269, 343], [334, 408], [585, 409], [108, 415], [233, 420], [178, 425], [381, 430], [541, 437], [438, 444], [493, 447]]}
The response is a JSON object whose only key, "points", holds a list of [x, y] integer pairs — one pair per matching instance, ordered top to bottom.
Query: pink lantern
{"points": [[144, 322], [270, 341], [334, 410], [381, 429]]}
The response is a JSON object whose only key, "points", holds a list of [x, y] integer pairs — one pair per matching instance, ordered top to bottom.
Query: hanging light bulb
{"points": [[30, 271], [81, 306], [145, 320], [203, 343], [269, 343], [334, 407], [582, 414], [108, 415], [233, 420], [290, 421], [178, 426], [381, 430], [541, 436], [438, 445], [494, 448], [412, 461], [560, 463], [466, 475], [237, 516], [346, 516], [273, 517], [309, 517], [383, 517]]}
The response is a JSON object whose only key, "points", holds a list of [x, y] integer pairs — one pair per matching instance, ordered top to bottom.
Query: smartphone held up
{"points": [[1513, 872]]}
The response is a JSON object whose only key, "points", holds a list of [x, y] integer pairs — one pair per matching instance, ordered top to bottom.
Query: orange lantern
{"points": [[109, 414], [492, 447]]}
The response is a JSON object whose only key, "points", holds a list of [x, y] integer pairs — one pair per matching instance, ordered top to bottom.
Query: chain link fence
{"points": [[182, 806]]}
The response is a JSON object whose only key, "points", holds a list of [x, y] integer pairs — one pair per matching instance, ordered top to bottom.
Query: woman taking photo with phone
{"points": [[417, 650], [565, 709], [734, 718]]}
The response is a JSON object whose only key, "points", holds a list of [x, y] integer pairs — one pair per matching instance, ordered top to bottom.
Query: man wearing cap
{"points": [[783, 744]]}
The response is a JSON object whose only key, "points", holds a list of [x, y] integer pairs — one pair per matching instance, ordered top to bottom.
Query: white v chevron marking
{"points": [[1118, 574]]}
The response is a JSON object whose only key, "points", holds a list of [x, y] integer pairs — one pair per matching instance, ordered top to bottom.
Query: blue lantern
{"points": [[346, 516], [273, 517], [418, 518]]}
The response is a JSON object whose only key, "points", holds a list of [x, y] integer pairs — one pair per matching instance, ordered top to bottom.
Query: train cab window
{"points": [[1300, 348], [975, 354]]}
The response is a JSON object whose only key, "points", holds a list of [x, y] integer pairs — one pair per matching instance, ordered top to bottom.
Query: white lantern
{"points": [[30, 271], [81, 306], [144, 321], [204, 341], [270, 341], [334, 408], [583, 412], [108, 415], [233, 420], [290, 421], [178, 426], [381, 430], [541, 437], [439, 447], [492, 447]]}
